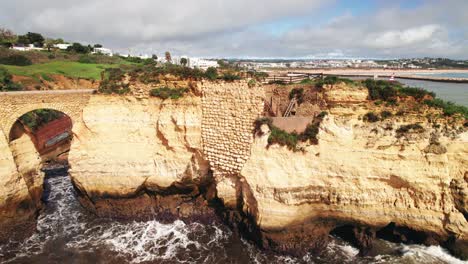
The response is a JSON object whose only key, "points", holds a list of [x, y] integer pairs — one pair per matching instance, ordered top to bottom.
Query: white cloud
{"points": [[233, 28], [401, 38]]}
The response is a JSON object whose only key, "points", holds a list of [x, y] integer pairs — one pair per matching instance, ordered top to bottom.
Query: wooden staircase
{"points": [[291, 106]]}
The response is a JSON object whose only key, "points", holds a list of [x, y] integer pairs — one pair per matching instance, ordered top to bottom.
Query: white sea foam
{"points": [[151, 241], [431, 254]]}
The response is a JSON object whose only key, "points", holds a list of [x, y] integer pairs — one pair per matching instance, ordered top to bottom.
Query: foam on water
{"points": [[70, 233]]}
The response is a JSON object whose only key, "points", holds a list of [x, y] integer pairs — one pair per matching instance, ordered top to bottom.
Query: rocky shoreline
{"points": [[199, 159]]}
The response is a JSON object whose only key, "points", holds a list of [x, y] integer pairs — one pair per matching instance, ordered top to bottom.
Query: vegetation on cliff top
{"points": [[66, 68], [6, 82], [389, 92], [166, 93], [37, 118], [290, 140]]}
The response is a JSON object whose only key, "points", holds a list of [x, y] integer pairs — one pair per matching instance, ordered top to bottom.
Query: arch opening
{"points": [[49, 130], [39, 142]]}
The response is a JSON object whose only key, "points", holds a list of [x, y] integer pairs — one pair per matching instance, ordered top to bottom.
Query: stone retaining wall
{"points": [[229, 112]]}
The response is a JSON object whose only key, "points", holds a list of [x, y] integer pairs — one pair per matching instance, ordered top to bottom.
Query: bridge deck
{"points": [[74, 91]]}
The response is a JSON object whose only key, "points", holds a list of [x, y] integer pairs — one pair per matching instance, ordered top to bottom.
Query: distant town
{"points": [[36, 42], [416, 63]]}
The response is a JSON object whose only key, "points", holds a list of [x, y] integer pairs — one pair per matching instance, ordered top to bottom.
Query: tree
{"points": [[7, 37], [31, 38], [36, 39], [23, 40], [49, 44], [97, 45], [78, 48], [154, 57], [168, 57], [184, 61], [223, 64], [211, 73]]}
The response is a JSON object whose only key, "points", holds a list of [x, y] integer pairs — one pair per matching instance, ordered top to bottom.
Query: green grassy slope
{"points": [[66, 68]]}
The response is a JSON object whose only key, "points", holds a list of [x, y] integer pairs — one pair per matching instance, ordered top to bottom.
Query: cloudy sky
{"points": [[252, 28]]}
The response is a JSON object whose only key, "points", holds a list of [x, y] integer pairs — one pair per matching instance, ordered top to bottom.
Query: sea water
{"points": [[67, 233]]}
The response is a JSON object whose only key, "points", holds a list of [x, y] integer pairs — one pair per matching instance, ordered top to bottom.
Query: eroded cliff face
{"points": [[124, 148], [135, 156], [363, 175], [20, 184]]}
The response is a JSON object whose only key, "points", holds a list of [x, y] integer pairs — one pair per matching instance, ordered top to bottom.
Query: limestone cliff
{"points": [[124, 148], [133, 156], [363, 175], [20, 184]]}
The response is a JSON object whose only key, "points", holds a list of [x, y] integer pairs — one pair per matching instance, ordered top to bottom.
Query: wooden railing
{"points": [[297, 78]]}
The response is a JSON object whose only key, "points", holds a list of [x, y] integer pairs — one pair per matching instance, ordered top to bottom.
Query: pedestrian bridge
{"points": [[15, 104]]}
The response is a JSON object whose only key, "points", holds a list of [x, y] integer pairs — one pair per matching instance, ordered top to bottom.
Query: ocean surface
{"points": [[446, 74], [454, 92], [67, 233]]}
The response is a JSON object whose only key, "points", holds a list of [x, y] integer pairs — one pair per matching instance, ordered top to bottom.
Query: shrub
{"points": [[15, 59], [87, 59], [211, 73], [113, 74], [260, 75], [46, 77], [230, 77], [332, 80], [307, 81], [6, 82], [252, 83], [109, 87], [381, 90], [166, 93], [297, 93], [417, 93], [391, 102], [448, 108], [385, 114], [322, 115], [371, 117], [36, 119], [262, 121], [417, 128], [310, 133], [283, 138]]}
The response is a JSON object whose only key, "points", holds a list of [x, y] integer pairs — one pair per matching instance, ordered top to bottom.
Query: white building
{"points": [[62, 46], [26, 48], [104, 51], [202, 63]]}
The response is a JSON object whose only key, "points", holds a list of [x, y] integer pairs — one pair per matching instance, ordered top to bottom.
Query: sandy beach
{"points": [[350, 71]]}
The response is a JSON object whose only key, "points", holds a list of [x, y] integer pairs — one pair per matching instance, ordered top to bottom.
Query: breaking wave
{"points": [[68, 233]]}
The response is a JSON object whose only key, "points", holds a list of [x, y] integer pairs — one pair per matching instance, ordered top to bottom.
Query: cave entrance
{"points": [[49, 130], [40, 141]]}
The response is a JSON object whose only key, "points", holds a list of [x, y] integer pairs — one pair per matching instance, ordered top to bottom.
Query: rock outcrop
{"points": [[125, 149], [359, 174], [20, 185]]}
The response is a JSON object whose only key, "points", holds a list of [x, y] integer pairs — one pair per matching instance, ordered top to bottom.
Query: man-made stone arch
{"points": [[15, 104]]}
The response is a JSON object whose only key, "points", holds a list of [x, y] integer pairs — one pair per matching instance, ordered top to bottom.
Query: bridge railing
{"points": [[296, 78], [74, 91]]}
